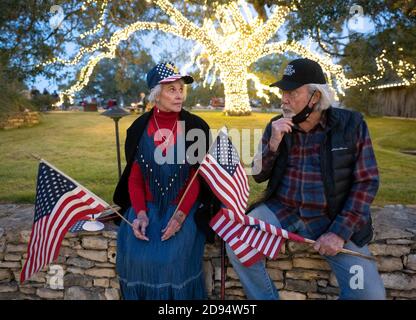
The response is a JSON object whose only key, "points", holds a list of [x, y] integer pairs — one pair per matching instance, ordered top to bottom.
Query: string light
{"points": [[100, 24], [238, 44], [111, 47], [232, 47], [227, 48], [405, 70], [389, 85], [261, 88]]}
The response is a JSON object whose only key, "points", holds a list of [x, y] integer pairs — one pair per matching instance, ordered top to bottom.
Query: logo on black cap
{"points": [[289, 70], [300, 72]]}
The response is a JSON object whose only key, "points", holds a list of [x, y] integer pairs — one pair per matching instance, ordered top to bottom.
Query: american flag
{"points": [[222, 170], [60, 203], [78, 226], [251, 239]]}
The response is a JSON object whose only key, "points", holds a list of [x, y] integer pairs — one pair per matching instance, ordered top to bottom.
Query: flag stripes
{"points": [[60, 203], [249, 238]]}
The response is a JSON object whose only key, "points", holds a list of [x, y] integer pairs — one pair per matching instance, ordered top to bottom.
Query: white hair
{"points": [[157, 90], [154, 94], [327, 95]]}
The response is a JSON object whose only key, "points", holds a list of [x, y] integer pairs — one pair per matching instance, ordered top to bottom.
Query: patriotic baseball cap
{"points": [[165, 72], [299, 72]]}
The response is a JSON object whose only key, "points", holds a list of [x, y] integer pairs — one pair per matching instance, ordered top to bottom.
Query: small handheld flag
{"points": [[60, 203]]}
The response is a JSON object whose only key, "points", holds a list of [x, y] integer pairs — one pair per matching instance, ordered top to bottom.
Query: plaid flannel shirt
{"points": [[300, 203]]}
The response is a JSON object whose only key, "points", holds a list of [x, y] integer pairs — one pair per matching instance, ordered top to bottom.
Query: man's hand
{"points": [[279, 128], [140, 224], [174, 225], [329, 244]]}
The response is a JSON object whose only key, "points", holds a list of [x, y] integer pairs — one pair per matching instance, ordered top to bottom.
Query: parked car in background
{"points": [[110, 103], [216, 103], [254, 103]]}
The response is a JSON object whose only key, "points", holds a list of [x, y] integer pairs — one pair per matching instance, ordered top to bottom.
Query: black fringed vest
{"points": [[209, 204]]}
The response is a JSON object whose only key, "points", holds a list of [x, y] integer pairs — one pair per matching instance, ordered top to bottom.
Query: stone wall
{"points": [[22, 119], [87, 262]]}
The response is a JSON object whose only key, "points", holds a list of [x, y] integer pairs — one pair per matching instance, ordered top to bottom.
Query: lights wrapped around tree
{"points": [[229, 46]]}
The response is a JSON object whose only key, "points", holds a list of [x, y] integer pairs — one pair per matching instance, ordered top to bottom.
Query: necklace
{"points": [[165, 139]]}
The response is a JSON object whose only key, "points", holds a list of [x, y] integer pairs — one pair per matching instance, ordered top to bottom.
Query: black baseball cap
{"points": [[165, 72], [299, 72]]}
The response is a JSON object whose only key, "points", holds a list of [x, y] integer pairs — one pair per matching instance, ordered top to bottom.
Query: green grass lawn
{"points": [[83, 146]]}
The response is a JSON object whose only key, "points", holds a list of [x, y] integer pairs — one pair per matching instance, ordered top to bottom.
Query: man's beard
{"points": [[287, 112]]}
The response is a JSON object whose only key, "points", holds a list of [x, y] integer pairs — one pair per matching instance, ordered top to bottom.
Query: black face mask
{"points": [[305, 113]]}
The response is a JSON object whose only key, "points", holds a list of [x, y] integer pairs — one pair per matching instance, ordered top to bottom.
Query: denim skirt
{"points": [[161, 270]]}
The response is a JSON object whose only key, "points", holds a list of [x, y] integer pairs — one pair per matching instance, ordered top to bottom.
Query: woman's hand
{"points": [[140, 224], [174, 225]]}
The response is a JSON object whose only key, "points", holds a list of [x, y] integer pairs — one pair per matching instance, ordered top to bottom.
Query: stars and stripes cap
{"points": [[165, 72]]}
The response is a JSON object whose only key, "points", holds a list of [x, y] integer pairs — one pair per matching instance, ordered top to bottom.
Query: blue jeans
{"points": [[358, 278]]}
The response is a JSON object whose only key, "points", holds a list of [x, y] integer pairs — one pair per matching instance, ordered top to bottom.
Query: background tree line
{"points": [[26, 39]]}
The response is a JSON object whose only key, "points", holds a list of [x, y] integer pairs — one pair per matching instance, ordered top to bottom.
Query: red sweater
{"points": [[139, 189]]}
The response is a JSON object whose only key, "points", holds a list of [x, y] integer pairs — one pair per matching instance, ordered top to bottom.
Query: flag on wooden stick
{"points": [[60, 203], [251, 239]]}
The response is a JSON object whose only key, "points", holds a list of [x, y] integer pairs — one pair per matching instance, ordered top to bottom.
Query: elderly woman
{"points": [[161, 256]]}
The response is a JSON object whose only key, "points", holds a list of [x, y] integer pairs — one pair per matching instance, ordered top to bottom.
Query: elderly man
{"points": [[322, 177]]}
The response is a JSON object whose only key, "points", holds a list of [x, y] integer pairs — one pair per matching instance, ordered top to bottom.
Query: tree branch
{"points": [[238, 18], [187, 28], [56, 29], [264, 32], [124, 34], [323, 47], [280, 48]]}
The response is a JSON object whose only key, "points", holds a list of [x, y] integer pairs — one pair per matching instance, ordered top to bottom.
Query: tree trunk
{"points": [[237, 102]]}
